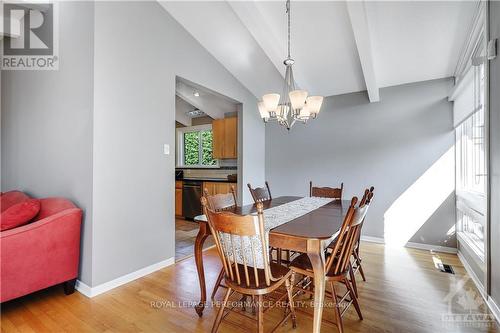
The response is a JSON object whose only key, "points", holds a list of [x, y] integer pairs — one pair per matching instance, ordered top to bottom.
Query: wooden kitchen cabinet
{"points": [[218, 130], [231, 137], [225, 138], [218, 187], [178, 198]]}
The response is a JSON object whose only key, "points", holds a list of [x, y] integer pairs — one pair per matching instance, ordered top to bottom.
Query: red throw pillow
{"points": [[19, 214]]}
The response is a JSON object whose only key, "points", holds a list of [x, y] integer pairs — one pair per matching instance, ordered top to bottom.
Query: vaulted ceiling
{"points": [[339, 47]]}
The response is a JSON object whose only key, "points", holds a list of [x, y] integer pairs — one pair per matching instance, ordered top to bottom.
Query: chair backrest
{"points": [[326, 192], [260, 194], [367, 197], [220, 202], [240, 240], [338, 262]]}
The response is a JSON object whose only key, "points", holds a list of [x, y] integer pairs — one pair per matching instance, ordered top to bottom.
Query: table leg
{"points": [[203, 233], [317, 257]]}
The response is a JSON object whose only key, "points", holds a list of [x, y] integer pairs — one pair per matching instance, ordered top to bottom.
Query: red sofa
{"points": [[42, 253]]}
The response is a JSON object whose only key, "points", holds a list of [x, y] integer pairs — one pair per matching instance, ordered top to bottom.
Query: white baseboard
{"points": [[371, 239], [429, 247], [472, 275], [102, 288], [490, 302], [494, 308]]}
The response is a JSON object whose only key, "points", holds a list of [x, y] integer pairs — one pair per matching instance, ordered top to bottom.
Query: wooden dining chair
{"points": [[326, 192], [260, 194], [367, 199], [217, 203], [242, 246], [356, 258], [337, 266]]}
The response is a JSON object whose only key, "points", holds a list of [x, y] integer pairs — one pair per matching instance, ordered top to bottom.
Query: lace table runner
{"points": [[273, 217]]}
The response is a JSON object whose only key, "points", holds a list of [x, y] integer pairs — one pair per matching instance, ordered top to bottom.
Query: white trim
{"points": [[475, 29], [371, 239], [429, 247], [472, 275], [102, 288], [490, 302], [494, 308]]}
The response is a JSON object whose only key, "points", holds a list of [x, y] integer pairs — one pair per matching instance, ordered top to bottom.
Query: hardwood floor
{"points": [[185, 235], [404, 293]]}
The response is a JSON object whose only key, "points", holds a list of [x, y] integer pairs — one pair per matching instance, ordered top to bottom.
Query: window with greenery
{"points": [[197, 148]]}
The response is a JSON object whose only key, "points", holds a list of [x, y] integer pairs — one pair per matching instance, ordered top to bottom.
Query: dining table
{"points": [[310, 233]]}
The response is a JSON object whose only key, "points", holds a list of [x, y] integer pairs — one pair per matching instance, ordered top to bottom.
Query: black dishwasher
{"points": [[191, 195]]}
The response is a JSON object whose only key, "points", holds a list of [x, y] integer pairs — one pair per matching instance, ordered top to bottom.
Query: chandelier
{"points": [[293, 105]]}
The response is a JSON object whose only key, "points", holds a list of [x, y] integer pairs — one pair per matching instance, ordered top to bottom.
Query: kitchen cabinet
{"points": [[218, 130], [231, 137], [225, 138], [218, 187], [178, 198]]}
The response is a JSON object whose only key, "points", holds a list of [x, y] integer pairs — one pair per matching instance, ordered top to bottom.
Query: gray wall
{"points": [[139, 50], [47, 123], [94, 130], [394, 145], [495, 156]]}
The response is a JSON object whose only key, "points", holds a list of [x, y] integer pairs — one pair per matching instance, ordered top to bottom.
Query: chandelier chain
{"points": [[288, 12]]}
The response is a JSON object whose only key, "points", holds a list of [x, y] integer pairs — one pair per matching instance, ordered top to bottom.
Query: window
{"points": [[195, 147], [471, 170]]}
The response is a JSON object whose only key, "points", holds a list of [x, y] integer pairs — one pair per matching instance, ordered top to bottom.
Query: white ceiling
{"points": [[339, 47], [213, 104]]}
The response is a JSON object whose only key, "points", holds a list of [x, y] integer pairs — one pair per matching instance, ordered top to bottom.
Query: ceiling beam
{"points": [[359, 23]]}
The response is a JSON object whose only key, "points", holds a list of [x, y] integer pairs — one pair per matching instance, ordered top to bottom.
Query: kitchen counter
{"points": [[204, 179]]}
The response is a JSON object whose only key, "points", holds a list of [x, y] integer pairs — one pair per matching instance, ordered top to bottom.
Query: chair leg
{"points": [[358, 263], [353, 280], [217, 284], [289, 290], [354, 299], [336, 309], [260, 315], [218, 319]]}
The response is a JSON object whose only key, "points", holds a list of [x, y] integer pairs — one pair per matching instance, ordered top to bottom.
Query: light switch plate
{"points": [[166, 149]]}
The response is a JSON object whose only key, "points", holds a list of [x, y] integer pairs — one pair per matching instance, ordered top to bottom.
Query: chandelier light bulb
{"points": [[298, 99], [271, 101], [314, 103], [262, 110], [304, 112]]}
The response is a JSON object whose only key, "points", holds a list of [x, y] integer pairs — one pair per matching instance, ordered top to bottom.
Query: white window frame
{"points": [[180, 147]]}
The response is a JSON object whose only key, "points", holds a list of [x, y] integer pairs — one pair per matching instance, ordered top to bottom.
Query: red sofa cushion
{"points": [[9, 199], [51, 206], [19, 214]]}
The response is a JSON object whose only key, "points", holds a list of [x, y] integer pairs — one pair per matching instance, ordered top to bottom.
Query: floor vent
{"points": [[445, 268]]}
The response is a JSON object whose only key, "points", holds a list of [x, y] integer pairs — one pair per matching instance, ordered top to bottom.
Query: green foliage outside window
{"points": [[198, 145], [191, 146], [206, 146]]}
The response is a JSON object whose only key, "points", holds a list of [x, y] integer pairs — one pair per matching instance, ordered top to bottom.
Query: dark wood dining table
{"points": [[310, 233]]}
